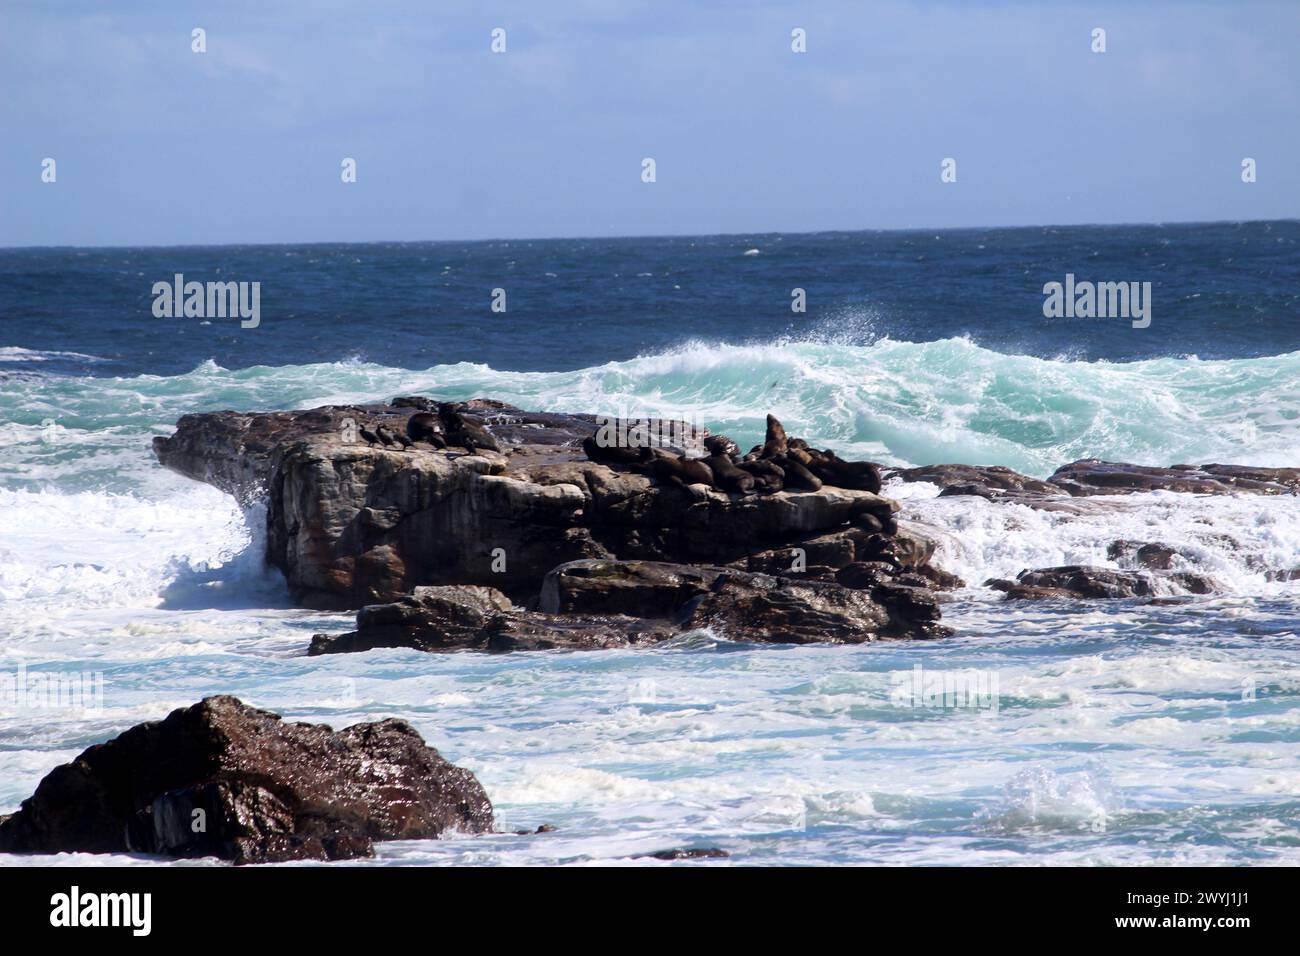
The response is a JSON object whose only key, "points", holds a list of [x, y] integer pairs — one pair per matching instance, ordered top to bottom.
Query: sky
{"points": [[155, 144]]}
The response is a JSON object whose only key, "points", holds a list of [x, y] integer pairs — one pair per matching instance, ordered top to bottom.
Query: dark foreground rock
{"points": [[1079, 581], [224, 779]]}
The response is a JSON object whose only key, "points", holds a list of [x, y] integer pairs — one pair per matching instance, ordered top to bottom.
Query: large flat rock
{"points": [[352, 524]]}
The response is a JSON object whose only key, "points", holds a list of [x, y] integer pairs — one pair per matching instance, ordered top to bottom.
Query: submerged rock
{"points": [[1091, 476], [992, 482], [1152, 556], [1081, 581], [224, 779], [686, 853]]}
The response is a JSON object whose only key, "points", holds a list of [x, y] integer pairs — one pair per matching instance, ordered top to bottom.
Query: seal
{"points": [[426, 426], [466, 433], [774, 443], [721, 445], [613, 454], [800, 455], [671, 469], [768, 475], [796, 475], [855, 475], [727, 477]]}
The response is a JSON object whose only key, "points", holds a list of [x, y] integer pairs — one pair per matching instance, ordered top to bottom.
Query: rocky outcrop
{"points": [[1091, 476], [429, 516], [352, 524], [477, 525], [1080, 582], [224, 779]]}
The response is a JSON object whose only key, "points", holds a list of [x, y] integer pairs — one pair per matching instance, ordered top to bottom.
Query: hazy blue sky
{"points": [[157, 145]]}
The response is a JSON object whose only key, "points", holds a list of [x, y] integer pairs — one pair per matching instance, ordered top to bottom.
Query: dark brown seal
{"points": [[426, 426]]}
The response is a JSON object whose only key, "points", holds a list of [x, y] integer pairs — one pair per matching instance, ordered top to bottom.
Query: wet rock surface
{"points": [[1091, 476], [992, 482], [415, 510], [1151, 555], [1084, 582], [636, 588], [592, 605], [764, 609], [475, 618], [221, 778], [686, 853]]}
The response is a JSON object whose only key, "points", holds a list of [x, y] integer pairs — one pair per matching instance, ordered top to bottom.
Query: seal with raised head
{"points": [[426, 426], [774, 443], [721, 445]]}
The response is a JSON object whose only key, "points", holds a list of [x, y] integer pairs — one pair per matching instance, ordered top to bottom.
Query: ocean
{"points": [[1105, 732]]}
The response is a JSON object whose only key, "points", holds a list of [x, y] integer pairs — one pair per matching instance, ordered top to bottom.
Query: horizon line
{"points": [[665, 235]]}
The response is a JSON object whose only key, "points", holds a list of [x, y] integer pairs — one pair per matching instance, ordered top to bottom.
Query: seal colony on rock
{"points": [[779, 463], [355, 526]]}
